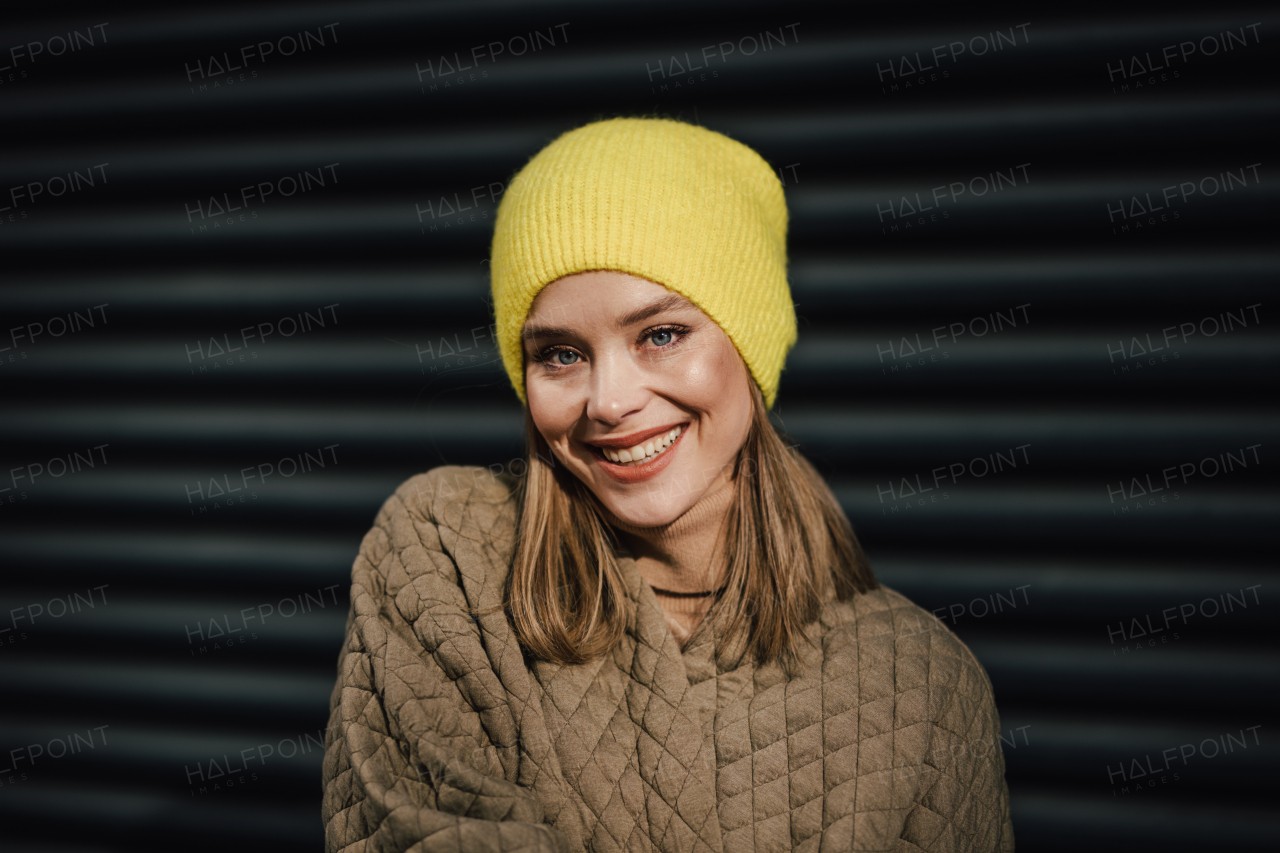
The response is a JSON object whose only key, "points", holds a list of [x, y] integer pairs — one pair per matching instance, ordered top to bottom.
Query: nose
{"points": [[617, 388]]}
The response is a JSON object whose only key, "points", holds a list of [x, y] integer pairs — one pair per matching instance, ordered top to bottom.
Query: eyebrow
{"points": [[666, 303], [531, 332]]}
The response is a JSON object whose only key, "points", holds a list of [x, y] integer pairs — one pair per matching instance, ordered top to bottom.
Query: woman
{"points": [[661, 632]]}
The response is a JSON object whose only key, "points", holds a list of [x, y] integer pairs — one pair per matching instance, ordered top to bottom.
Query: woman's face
{"points": [[639, 394]]}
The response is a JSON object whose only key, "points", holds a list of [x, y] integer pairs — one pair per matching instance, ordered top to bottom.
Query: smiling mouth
{"points": [[644, 452]]}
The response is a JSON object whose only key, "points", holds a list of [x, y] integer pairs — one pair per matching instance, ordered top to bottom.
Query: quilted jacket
{"points": [[444, 736]]}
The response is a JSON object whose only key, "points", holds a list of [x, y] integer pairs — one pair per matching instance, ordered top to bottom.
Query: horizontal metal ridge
{"points": [[445, 156], [817, 279], [861, 354], [165, 685]]}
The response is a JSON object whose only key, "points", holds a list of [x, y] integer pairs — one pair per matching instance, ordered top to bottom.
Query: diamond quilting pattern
{"points": [[444, 737]]}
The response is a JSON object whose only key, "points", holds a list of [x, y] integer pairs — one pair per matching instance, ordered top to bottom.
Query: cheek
{"points": [[712, 370], [717, 383], [736, 406], [550, 415]]}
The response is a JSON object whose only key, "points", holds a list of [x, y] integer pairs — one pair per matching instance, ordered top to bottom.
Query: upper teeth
{"points": [[642, 452]]}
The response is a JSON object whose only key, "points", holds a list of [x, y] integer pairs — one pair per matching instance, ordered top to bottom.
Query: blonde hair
{"points": [[789, 546]]}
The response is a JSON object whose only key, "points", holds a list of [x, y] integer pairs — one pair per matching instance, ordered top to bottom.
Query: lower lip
{"points": [[643, 471]]}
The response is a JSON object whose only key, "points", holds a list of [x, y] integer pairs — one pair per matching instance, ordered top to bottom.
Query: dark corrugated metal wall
{"points": [[1037, 362]]}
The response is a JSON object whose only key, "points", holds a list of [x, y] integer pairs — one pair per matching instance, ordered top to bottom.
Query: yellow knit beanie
{"points": [[670, 202]]}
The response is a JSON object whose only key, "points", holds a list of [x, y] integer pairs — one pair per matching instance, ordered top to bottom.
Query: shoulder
{"points": [[444, 495], [462, 499], [450, 520], [427, 627], [884, 628], [927, 719]]}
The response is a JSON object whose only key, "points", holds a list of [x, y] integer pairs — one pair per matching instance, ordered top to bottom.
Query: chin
{"points": [[649, 507]]}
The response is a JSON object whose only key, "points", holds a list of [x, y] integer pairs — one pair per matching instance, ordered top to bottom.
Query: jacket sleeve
{"points": [[418, 752], [982, 762], [944, 763], [966, 798]]}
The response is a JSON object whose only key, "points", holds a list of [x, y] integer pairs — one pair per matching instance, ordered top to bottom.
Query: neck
{"points": [[685, 556]]}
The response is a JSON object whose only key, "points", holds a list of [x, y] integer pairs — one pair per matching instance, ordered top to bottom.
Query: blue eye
{"points": [[661, 338], [566, 357]]}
